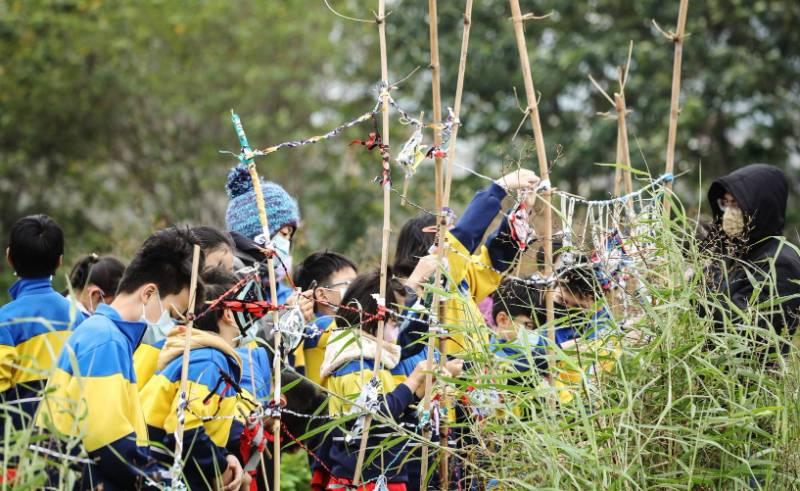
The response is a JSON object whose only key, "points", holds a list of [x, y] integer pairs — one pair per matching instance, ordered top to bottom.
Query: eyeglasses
{"points": [[724, 203], [340, 287]]}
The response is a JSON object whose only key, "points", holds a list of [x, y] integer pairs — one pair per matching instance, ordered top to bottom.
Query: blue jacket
{"points": [[33, 328], [212, 383], [92, 395]]}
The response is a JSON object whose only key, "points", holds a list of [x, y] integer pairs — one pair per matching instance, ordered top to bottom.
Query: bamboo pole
{"points": [[433, 29], [674, 106], [622, 146], [541, 156], [247, 159], [618, 171], [387, 188], [442, 224], [186, 354]]}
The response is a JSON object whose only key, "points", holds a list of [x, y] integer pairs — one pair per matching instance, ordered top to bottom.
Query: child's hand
{"points": [[519, 179], [425, 268], [305, 301], [454, 367], [416, 381], [232, 477]]}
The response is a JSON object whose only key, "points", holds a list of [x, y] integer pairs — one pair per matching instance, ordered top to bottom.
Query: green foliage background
{"points": [[112, 113]]}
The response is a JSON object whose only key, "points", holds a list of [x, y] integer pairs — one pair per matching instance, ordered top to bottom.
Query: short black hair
{"points": [[212, 239], [413, 243], [35, 246], [165, 259], [319, 267], [104, 272], [580, 278], [216, 282], [517, 297], [358, 299]]}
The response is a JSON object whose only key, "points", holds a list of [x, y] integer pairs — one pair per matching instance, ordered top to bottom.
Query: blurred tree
{"points": [[112, 113]]}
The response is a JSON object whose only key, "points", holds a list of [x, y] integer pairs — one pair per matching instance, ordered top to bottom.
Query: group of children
{"points": [[99, 370]]}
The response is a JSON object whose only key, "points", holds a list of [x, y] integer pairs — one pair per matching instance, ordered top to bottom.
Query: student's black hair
{"points": [[212, 239], [413, 243], [35, 246], [165, 259], [320, 267], [104, 272], [580, 278], [216, 282], [516, 297], [358, 299]]}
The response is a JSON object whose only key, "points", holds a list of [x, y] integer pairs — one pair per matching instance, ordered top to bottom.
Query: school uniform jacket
{"points": [[475, 269], [33, 329], [145, 360], [347, 368], [211, 391], [92, 395]]}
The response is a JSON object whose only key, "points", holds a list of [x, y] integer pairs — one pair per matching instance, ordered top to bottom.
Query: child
{"points": [[283, 214], [217, 249], [474, 270], [328, 274], [94, 280], [518, 312], [37, 321], [348, 369], [213, 383], [92, 394]]}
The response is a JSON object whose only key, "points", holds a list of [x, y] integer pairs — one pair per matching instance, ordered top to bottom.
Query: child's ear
{"points": [[8, 257], [60, 261], [227, 315], [501, 319]]}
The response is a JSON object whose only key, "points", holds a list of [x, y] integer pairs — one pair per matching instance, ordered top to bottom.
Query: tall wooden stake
{"points": [[674, 106], [622, 146], [541, 156], [246, 158], [387, 188], [186, 354], [444, 473]]}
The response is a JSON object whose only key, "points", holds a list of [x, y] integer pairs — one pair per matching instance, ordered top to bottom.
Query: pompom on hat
{"points": [[242, 213]]}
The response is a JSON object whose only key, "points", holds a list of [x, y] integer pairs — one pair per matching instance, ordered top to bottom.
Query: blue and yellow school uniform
{"points": [[474, 269], [33, 329], [596, 340], [598, 343], [314, 346], [145, 360], [347, 369], [214, 372], [256, 385], [92, 395]]}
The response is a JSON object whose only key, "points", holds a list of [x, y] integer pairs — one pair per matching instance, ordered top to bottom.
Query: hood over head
{"points": [[762, 192]]}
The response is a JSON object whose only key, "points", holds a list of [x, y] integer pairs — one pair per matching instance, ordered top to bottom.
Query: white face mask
{"points": [[733, 221], [284, 265], [158, 330], [527, 338]]}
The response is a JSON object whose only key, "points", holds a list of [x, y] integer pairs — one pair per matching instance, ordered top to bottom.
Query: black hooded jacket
{"points": [[762, 192]]}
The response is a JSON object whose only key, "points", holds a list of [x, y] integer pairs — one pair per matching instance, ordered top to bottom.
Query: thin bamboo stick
{"points": [[433, 29], [674, 106], [623, 147], [541, 156], [246, 159], [387, 188], [187, 353]]}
